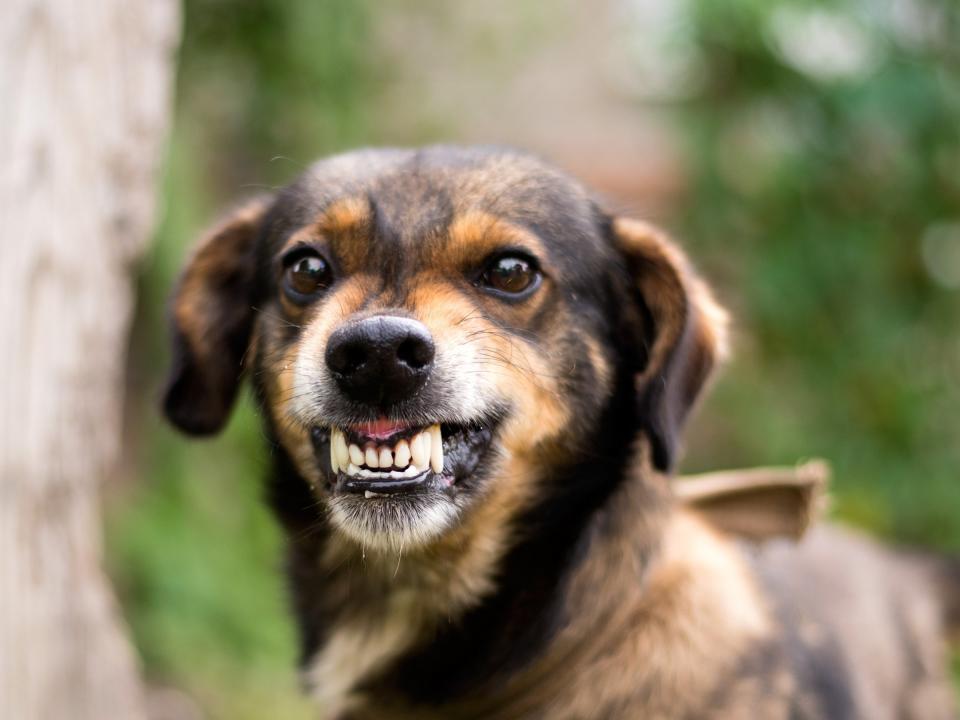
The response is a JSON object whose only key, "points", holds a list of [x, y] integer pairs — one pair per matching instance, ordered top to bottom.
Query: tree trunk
{"points": [[84, 110]]}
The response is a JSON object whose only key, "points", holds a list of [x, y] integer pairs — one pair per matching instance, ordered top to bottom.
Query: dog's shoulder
{"points": [[860, 622], [718, 627], [687, 630]]}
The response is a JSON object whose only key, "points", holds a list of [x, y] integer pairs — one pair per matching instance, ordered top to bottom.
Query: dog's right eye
{"points": [[306, 274]]}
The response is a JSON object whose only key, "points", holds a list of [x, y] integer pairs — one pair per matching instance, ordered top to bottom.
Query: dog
{"points": [[474, 379]]}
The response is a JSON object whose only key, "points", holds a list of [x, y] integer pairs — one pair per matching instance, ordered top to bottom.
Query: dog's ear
{"points": [[211, 316], [677, 330]]}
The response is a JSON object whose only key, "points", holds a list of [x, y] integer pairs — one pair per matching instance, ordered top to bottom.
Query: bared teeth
{"points": [[338, 443], [436, 449], [401, 454], [419, 454], [356, 455], [406, 458], [334, 462]]}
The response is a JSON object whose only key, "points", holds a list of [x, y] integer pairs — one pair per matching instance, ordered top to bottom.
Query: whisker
{"points": [[276, 317]]}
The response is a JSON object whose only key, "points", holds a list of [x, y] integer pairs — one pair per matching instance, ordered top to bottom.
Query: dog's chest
{"points": [[356, 650]]}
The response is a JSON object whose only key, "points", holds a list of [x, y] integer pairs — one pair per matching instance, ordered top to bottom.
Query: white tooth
{"points": [[340, 447], [426, 447], [436, 449], [419, 453], [401, 454], [356, 455], [386, 457], [373, 460], [334, 463], [352, 469], [367, 494]]}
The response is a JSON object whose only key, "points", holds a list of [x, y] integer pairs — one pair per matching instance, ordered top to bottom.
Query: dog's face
{"points": [[431, 332]]}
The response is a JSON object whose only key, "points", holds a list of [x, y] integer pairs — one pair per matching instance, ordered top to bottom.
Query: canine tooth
{"points": [[340, 447], [436, 449], [419, 453], [401, 454], [356, 455], [386, 457], [372, 459], [334, 461], [353, 469], [368, 494]]}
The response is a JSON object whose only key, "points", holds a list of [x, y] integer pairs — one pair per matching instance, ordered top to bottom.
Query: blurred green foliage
{"points": [[263, 87], [815, 197], [823, 200]]}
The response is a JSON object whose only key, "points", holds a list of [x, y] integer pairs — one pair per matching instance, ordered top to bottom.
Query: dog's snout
{"points": [[381, 360]]}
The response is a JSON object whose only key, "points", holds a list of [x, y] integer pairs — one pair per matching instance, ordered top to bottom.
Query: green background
{"points": [[822, 202]]}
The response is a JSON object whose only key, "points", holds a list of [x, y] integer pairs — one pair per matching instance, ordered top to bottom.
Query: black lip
{"points": [[465, 448], [419, 483]]}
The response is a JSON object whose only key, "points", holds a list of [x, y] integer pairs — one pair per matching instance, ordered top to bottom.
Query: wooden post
{"points": [[85, 92]]}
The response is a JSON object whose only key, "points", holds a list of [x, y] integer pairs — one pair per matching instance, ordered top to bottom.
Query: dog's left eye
{"points": [[306, 274], [511, 275]]}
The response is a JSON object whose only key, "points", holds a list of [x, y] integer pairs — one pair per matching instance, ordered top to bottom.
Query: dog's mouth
{"points": [[389, 458]]}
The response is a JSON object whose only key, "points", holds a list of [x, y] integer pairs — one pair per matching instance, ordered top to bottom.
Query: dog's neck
{"points": [[487, 603], [529, 606]]}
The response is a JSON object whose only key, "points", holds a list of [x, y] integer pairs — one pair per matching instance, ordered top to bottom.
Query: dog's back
{"points": [[862, 625]]}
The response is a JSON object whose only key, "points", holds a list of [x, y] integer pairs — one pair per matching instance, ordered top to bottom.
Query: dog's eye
{"points": [[306, 274], [511, 275]]}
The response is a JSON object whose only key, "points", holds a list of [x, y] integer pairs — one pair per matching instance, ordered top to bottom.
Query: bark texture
{"points": [[85, 92]]}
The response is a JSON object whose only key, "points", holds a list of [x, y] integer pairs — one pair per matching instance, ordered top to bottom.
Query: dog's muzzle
{"points": [[381, 366]]}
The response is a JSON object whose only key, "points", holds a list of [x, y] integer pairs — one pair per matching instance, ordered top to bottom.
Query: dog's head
{"points": [[438, 330]]}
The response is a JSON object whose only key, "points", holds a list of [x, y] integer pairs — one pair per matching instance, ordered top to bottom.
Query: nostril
{"points": [[415, 353], [346, 358], [354, 358]]}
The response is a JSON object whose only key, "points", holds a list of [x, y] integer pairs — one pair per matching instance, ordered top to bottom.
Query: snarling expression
{"points": [[430, 331]]}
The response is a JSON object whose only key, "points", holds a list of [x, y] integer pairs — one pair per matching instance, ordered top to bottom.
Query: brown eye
{"points": [[511, 275], [305, 276]]}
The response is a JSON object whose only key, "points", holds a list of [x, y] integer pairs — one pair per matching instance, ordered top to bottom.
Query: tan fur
{"points": [[475, 234], [218, 254], [672, 290], [282, 395], [456, 571], [649, 611], [648, 633], [359, 648]]}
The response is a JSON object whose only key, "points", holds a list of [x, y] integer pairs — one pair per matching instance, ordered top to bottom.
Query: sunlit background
{"points": [[807, 154]]}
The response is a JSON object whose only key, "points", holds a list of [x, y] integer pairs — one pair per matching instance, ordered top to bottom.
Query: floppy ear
{"points": [[211, 316], [680, 327]]}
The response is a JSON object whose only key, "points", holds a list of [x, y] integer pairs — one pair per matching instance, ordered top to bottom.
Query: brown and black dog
{"points": [[474, 380]]}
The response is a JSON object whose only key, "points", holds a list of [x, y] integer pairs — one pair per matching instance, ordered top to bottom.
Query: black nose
{"points": [[380, 360]]}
